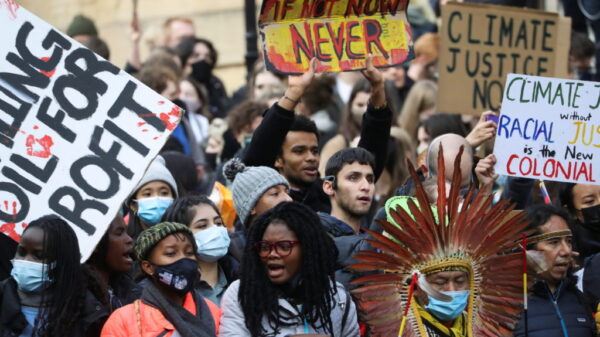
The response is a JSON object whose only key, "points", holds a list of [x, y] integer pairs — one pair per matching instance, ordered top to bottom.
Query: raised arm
{"points": [[377, 121], [269, 136]]}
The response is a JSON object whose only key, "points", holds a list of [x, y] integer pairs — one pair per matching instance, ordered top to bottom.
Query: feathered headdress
{"points": [[458, 233]]}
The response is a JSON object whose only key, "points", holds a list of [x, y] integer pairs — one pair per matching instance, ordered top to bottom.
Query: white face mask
{"points": [[192, 105], [213, 243]]}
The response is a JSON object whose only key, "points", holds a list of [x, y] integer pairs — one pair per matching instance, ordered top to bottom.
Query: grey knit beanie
{"points": [[157, 171], [249, 184]]}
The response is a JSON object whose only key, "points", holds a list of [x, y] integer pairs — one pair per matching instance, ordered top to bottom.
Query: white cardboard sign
{"points": [[549, 129], [76, 132]]}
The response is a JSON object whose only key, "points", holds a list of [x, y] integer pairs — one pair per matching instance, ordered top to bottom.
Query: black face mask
{"points": [[202, 71], [180, 104], [591, 218], [179, 275]]}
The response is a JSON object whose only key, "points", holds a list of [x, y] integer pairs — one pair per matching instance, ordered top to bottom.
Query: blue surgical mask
{"points": [[152, 209], [213, 243], [29, 275], [449, 311]]}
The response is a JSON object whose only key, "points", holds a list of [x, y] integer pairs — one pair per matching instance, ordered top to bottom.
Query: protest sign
{"points": [[339, 33], [481, 44], [549, 129], [76, 132]]}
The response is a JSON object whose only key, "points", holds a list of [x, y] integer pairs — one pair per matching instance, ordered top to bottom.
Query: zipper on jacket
{"points": [[556, 309]]}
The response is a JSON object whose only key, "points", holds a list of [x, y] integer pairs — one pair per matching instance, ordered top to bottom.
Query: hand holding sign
{"points": [[374, 76], [297, 84], [483, 131], [485, 173]]}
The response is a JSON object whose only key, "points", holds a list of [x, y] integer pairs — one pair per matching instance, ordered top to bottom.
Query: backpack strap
{"points": [[346, 307]]}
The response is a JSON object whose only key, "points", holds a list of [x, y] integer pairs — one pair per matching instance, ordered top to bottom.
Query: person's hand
{"points": [[135, 33], [417, 68], [372, 74], [375, 77], [297, 85], [483, 130], [214, 145], [485, 173], [574, 259]]}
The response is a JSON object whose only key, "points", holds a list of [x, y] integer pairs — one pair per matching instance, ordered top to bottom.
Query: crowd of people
{"points": [[339, 205]]}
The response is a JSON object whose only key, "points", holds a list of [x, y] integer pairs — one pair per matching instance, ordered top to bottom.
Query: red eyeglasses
{"points": [[283, 248]]}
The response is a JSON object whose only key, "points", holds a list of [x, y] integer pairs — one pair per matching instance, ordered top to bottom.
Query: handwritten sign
{"points": [[340, 33], [481, 44], [549, 129], [76, 132]]}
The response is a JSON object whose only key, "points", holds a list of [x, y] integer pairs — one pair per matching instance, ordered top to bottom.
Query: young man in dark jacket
{"points": [[290, 143], [350, 185], [555, 306]]}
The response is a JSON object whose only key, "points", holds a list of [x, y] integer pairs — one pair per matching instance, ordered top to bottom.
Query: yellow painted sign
{"points": [[339, 33]]}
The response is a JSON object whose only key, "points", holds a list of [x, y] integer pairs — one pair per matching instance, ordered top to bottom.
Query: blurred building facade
{"points": [[221, 21]]}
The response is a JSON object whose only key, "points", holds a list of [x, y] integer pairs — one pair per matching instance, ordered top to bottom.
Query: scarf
{"points": [[186, 324]]}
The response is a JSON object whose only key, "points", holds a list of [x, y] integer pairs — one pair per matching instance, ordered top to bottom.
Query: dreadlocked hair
{"points": [[183, 210], [65, 297], [259, 297]]}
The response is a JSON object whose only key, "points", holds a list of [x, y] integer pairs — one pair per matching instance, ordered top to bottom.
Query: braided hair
{"points": [[258, 296], [65, 297]]}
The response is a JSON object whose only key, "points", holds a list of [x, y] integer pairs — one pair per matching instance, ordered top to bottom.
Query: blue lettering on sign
{"points": [[532, 129]]}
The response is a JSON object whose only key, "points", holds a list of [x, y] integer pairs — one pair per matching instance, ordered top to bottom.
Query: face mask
{"points": [[201, 71], [179, 103], [191, 105], [421, 148], [152, 209], [591, 218], [212, 243], [179, 275], [30, 276], [449, 311]]}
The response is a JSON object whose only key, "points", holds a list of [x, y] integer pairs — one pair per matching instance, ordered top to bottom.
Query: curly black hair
{"points": [[259, 297]]}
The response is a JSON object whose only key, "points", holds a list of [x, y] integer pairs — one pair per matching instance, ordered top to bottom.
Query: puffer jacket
{"points": [[348, 245], [563, 314], [343, 316], [139, 319]]}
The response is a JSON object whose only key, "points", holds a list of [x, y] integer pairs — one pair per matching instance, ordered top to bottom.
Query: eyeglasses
{"points": [[282, 248]]}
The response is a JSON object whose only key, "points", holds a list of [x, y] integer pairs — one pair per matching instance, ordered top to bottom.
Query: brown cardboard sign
{"points": [[481, 44]]}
